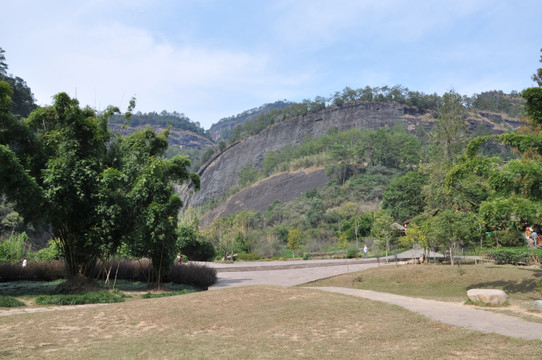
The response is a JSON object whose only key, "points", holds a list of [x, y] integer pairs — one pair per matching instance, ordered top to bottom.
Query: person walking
{"points": [[365, 251], [24, 262]]}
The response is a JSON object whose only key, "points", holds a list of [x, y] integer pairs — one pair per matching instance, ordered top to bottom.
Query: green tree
{"points": [[537, 77], [22, 98], [448, 139], [403, 197], [316, 212], [454, 228], [382, 229], [415, 235], [294, 239], [342, 241], [193, 245]]}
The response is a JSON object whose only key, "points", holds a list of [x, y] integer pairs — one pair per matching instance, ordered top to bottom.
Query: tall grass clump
{"points": [[41, 271]]}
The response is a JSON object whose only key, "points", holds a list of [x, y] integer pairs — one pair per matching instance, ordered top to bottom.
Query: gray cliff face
{"points": [[222, 171], [283, 187]]}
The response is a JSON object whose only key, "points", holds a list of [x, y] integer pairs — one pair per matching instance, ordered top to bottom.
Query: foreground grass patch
{"points": [[100, 297], [8, 301], [256, 322]]}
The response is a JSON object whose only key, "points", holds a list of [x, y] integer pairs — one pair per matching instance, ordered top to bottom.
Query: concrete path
{"points": [[284, 273], [291, 273], [453, 314]]}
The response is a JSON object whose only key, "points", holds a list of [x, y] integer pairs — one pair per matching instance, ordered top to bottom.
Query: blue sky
{"points": [[211, 59]]}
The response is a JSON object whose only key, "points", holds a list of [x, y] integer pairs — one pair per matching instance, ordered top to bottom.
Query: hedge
{"points": [[516, 256]]}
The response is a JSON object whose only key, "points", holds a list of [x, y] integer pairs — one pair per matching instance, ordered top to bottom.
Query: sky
{"points": [[211, 59]]}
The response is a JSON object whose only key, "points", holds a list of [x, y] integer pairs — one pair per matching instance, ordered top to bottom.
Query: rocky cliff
{"points": [[221, 172], [283, 187]]}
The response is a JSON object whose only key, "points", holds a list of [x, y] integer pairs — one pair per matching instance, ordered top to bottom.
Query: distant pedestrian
{"points": [[535, 238], [365, 251], [180, 258], [24, 262]]}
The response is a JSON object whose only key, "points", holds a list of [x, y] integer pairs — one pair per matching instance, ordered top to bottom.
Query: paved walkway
{"points": [[291, 273]]}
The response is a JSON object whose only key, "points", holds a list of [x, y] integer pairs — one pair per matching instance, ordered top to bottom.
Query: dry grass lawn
{"points": [[450, 283], [258, 322]]}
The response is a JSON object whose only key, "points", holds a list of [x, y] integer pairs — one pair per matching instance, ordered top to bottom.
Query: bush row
{"points": [[518, 256], [191, 274]]}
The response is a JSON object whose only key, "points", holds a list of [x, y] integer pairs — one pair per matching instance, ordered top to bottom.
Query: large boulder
{"points": [[487, 296], [537, 305]]}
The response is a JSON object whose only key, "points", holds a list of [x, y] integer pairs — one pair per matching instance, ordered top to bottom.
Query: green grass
{"points": [[28, 289], [100, 297], [9, 301]]}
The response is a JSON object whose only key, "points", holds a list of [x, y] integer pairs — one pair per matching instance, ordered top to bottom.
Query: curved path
{"points": [[291, 273]]}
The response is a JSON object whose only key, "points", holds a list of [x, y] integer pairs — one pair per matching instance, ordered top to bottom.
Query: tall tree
{"points": [[537, 76], [448, 139], [93, 190], [403, 196]]}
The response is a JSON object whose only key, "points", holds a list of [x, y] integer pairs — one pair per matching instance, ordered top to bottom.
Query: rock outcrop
{"points": [[283, 187], [487, 296]]}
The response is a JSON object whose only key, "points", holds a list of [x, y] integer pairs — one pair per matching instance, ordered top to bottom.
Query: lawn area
{"points": [[450, 283], [28, 291], [256, 322]]}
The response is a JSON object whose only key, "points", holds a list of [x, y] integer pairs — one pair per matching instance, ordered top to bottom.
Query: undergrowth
{"points": [[100, 297], [8, 301]]}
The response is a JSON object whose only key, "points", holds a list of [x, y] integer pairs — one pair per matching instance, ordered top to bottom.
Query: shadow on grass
{"points": [[523, 286], [36, 288]]}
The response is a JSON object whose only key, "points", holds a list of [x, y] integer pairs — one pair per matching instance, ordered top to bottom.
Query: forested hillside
{"points": [[384, 161]]}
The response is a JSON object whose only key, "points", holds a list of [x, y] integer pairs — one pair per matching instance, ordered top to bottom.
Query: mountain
{"points": [[221, 172]]}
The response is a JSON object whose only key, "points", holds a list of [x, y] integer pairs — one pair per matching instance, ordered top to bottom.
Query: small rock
{"points": [[487, 296], [537, 305]]}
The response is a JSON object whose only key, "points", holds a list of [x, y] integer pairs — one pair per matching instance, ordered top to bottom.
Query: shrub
{"points": [[509, 238], [195, 247], [12, 248], [50, 253], [352, 253], [306, 256], [516, 256], [249, 257], [193, 274], [100, 297], [8, 301]]}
